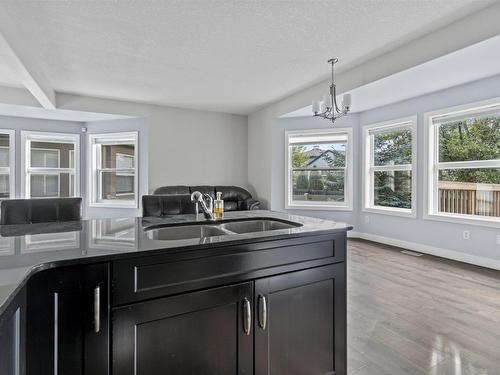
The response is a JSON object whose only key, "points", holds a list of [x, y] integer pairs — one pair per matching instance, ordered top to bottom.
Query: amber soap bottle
{"points": [[218, 207]]}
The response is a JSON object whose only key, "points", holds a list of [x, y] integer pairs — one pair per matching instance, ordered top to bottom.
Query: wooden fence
{"points": [[469, 198]]}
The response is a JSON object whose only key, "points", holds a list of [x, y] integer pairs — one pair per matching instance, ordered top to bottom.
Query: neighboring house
{"points": [[318, 158]]}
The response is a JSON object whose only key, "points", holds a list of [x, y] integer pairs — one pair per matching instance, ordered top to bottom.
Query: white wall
{"points": [[185, 146]]}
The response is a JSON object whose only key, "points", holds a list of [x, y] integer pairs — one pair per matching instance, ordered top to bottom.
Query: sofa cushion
{"points": [[204, 189], [173, 190], [233, 193], [235, 199], [151, 205], [161, 205], [177, 205], [230, 205], [15, 211], [29, 211], [43, 211]]}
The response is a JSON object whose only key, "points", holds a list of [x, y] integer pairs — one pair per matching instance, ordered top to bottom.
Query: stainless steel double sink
{"points": [[194, 231]]}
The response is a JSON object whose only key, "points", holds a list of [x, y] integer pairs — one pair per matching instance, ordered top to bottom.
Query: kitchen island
{"points": [[258, 292]]}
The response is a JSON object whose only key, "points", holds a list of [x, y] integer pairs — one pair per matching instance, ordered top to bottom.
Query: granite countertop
{"points": [[28, 248]]}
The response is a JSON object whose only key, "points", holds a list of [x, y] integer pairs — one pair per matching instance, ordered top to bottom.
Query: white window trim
{"points": [[409, 122], [48, 137], [11, 169], [430, 177], [93, 182], [347, 205]]}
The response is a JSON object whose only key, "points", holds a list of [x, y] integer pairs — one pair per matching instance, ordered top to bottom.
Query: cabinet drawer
{"points": [[154, 276]]}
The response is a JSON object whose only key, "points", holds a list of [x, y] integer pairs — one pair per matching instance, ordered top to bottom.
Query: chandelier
{"points": [[328, 108]]}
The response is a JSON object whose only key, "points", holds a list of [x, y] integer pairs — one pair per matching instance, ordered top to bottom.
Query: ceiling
{"points": [[221, 55], [468, 64]]}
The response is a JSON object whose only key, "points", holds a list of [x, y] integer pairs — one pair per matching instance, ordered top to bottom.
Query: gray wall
{"points": [[185, 146], [431, 236], [482, 243]]}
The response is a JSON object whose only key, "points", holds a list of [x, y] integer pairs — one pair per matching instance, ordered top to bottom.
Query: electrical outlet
{"points": [[367, 219], [466, 235], [498, 239]]}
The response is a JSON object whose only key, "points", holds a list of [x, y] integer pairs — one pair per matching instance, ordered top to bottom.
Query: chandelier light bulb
{"points": [[347, 101], [315, 106]]}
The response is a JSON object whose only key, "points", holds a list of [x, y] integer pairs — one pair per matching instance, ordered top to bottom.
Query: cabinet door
{"points": [[300, 324], [67, 325], [208, 332], [12, 337]]}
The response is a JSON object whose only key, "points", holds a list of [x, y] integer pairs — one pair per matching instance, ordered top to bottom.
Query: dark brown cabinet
{"points": [[264, 308], [301, 319], [68, 321], [294, 323], [208, 332], [12, 337]]}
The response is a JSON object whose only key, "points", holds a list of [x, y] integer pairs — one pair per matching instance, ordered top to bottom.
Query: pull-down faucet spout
{"points": [[201, 200]]}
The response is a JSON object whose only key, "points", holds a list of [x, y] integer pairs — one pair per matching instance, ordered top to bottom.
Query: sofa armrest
{"points": [[251, 204]]}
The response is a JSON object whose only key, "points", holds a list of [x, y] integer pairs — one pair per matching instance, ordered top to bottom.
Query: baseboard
{"points": [[427, 249]]}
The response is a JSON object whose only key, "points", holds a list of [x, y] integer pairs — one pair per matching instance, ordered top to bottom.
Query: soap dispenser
{"points": [[218, 207]]}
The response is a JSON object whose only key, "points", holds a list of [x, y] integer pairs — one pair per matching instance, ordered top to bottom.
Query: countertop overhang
{"points": [[29, 248]]}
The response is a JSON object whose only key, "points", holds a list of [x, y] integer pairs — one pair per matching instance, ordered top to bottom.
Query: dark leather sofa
{"points": [[176, 200], [32, 211]]}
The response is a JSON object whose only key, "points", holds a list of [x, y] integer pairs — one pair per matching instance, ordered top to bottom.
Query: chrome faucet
{"points": [[201, 200]]}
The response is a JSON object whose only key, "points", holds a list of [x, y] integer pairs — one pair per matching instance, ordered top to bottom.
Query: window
{"points": [[464, 163], [49, 164], [7, 167], [114, 169], [319, 169], [389, 184]]}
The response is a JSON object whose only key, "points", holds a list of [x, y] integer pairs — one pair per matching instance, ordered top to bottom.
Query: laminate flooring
{"points": [[420, 315]]}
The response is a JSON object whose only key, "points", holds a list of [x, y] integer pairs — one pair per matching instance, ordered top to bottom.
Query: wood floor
{"points": [[420, 315]]}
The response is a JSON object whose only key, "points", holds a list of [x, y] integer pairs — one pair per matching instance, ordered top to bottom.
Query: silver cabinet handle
{"points": [[97, 309], [262, 311], [247, 316]]}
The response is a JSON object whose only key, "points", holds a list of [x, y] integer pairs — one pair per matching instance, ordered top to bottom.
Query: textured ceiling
{"points": [[230, 56]]}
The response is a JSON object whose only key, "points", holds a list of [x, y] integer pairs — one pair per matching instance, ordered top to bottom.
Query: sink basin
{"points": [[252, 226], [213, 229], [184, 232]]}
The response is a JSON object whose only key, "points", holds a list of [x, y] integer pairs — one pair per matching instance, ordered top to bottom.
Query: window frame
{"points": [[49, 137], [433, 165], [11, 169], [369, 169], [95, 183], [347, 205]]}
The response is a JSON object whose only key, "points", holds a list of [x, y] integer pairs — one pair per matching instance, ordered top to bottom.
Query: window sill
{"points": [[315, 207], [401, 212], [464, 219]]}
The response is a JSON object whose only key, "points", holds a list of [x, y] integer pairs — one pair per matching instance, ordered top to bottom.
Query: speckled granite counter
{"points": [[27, 249]]}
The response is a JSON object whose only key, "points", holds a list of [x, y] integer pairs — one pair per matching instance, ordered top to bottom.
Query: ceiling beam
{"points": [[24, 66]]}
